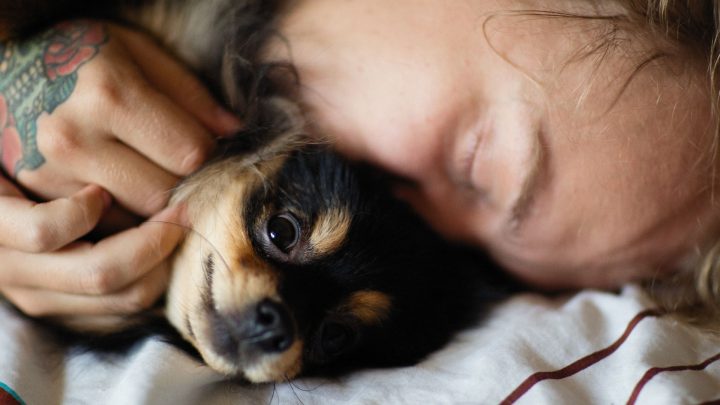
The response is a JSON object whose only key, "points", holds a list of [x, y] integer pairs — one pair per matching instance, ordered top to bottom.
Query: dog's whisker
{"points": [[203, 237], [188, 308], [296, 385], [292, 388], [272, 395]]}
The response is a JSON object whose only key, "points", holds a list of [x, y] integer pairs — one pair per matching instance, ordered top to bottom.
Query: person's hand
{"points": [[90, 103], [85, 108], [44, 271]]}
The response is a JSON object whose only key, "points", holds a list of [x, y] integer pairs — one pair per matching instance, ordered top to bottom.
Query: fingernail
{"points": [[228, 122]]}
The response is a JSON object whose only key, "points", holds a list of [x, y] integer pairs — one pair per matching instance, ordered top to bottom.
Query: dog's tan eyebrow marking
{"points": [[330, 230], [370, 306]]}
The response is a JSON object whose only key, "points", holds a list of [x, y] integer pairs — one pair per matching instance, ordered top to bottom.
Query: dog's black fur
{"points": [[435, 288]]}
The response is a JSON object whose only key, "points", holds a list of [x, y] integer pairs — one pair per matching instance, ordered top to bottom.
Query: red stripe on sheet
{"points": [[578, 365], [657, 370], [7, 399]]}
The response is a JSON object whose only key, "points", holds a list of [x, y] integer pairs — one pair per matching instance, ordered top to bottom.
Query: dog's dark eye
{"points": [[283, 231], [335, 338]]}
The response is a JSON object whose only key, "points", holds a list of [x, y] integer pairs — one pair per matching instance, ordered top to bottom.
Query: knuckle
{"points": [[106, 90], [109, 94], [61, 140], [195, 157], [156, 201], [39, 237], [99, 279], [138, 299]]}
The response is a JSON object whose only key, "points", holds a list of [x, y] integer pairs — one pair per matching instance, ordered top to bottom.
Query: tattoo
{"points": [[36, 76]]}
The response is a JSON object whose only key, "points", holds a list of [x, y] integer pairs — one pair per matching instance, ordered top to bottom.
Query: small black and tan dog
{"points": [[299, 261]]}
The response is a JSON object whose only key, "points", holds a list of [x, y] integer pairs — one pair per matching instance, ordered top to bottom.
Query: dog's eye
{"points": [[283, 231], [335, 338]]}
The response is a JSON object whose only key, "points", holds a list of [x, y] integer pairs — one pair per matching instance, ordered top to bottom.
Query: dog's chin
{"points": [[251, 366]]}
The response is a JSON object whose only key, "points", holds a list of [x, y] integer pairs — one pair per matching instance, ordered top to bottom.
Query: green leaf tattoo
{"points": [[36, 76]]}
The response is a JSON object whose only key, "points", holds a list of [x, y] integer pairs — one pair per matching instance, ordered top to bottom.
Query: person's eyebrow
{"points": [[524, 201]]}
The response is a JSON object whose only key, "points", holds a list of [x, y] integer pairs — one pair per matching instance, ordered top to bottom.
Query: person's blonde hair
{"points": [[694, 25], [684, 31]]}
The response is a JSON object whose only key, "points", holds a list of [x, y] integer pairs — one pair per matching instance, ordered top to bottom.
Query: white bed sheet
{"points": [[594, 347]]}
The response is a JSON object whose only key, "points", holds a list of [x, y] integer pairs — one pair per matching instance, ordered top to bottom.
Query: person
{"points": [[575, 142]]}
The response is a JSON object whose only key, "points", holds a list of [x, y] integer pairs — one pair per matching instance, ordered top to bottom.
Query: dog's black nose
{"points": [[264, 328], [274, 329]]}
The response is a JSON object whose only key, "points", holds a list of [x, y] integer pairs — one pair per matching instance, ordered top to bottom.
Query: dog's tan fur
{"points": [[330, 230], [370, 307]]}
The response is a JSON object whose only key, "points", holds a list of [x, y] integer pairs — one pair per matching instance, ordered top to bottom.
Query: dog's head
{"points": [[300, 261]]}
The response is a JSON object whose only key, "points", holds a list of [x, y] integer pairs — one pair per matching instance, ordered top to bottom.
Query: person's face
{"points": [[513, 132]]}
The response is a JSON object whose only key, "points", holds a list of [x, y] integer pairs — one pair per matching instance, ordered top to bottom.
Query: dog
{"points": [[299, 261]]}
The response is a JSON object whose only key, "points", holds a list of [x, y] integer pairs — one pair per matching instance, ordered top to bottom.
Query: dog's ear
{"points": [[281, 115], [273, 118]]}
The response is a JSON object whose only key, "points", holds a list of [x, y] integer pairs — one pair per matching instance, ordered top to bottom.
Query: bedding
{"points": [[590, 347]]}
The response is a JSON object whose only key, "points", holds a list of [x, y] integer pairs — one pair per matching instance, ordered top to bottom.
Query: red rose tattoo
{"points": [[71, 47], [36, 76]]}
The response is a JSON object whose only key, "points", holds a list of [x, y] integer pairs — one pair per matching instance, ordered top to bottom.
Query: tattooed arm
{"points": [[84, 108]]}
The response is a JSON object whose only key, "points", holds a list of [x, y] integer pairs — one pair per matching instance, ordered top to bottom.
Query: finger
{"points": [[174, 80], [131, 110], [155, 118], [160, 130], [58, 140], [96, 158], [136, 183], [46, 185], [44, 227], [104, 268], [135, 298]]}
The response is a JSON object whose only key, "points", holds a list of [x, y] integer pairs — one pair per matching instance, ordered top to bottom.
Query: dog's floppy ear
{"points": [[282, 115], [271, 119]]}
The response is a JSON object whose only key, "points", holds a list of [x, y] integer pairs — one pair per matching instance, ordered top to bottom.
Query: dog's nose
{"points": [[273, 326], [264, 328]]}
